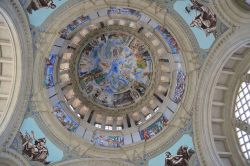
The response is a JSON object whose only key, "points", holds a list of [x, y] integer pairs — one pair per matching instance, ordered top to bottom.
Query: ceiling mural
{"points": [[115, 69], [113, 79]]}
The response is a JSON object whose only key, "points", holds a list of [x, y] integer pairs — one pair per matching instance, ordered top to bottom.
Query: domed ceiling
{"points": [[114, 74], [112, 78]]}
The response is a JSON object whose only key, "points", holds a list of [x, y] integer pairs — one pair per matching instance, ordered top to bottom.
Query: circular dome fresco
{"points": [[115, 70], [114, 77]]}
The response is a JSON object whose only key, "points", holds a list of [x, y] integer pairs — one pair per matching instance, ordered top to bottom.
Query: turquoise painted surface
{"points": [[39, 16], [204, 41], [29, 124], [160, 159]]}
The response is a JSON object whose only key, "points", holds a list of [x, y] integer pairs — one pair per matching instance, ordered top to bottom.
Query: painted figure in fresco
{"points": [[37, 4], [206, 19], [115, 69], [48, 71], [180, 87], [64, 119], [107, 141], [35, 148], [181, 159]]}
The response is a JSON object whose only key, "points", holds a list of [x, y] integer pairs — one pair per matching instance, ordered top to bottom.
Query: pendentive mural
{"points": [[37, 4], [39, 10], [201, 19], [205, 19], [33, 144], [179, 154], [181, 158]]}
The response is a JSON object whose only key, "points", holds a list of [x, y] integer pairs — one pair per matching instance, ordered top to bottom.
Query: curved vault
{"points": [[148, 27]]}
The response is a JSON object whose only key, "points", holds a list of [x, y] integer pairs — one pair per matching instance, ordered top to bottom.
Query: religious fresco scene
{"points": [[123, 11], [74, 25], [169, 39], [115, 69], [49, 71], [180, 86], [64, 118], [154, 128], [107, 141]]}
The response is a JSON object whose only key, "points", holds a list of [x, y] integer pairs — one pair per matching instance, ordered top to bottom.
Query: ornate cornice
{"points": [[70, 10], [15, 11], [231, 13], [218, 56], [9, 156], [95, 162]]}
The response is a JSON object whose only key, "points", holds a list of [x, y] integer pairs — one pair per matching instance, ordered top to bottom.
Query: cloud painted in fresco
{"points": [[39, 16], [204, 41], [29, 124], [160, 159]]}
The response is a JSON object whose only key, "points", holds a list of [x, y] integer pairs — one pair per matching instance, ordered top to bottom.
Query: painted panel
{"points": [[123, 11], [74, 25], [169, 39], [49, 71], [180, 86], [66, 120], [154, 128], [107, 141]]}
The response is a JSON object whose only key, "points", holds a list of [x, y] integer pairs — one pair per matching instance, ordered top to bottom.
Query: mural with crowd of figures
{"points": [[123, 11], [64, 33], [115, 69], [49, 70], [180, 86], [64, 118], [154, 128], [107, 141]]}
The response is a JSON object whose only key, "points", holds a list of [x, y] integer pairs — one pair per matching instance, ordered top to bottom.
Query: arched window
{"points": [[242, 115]]}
